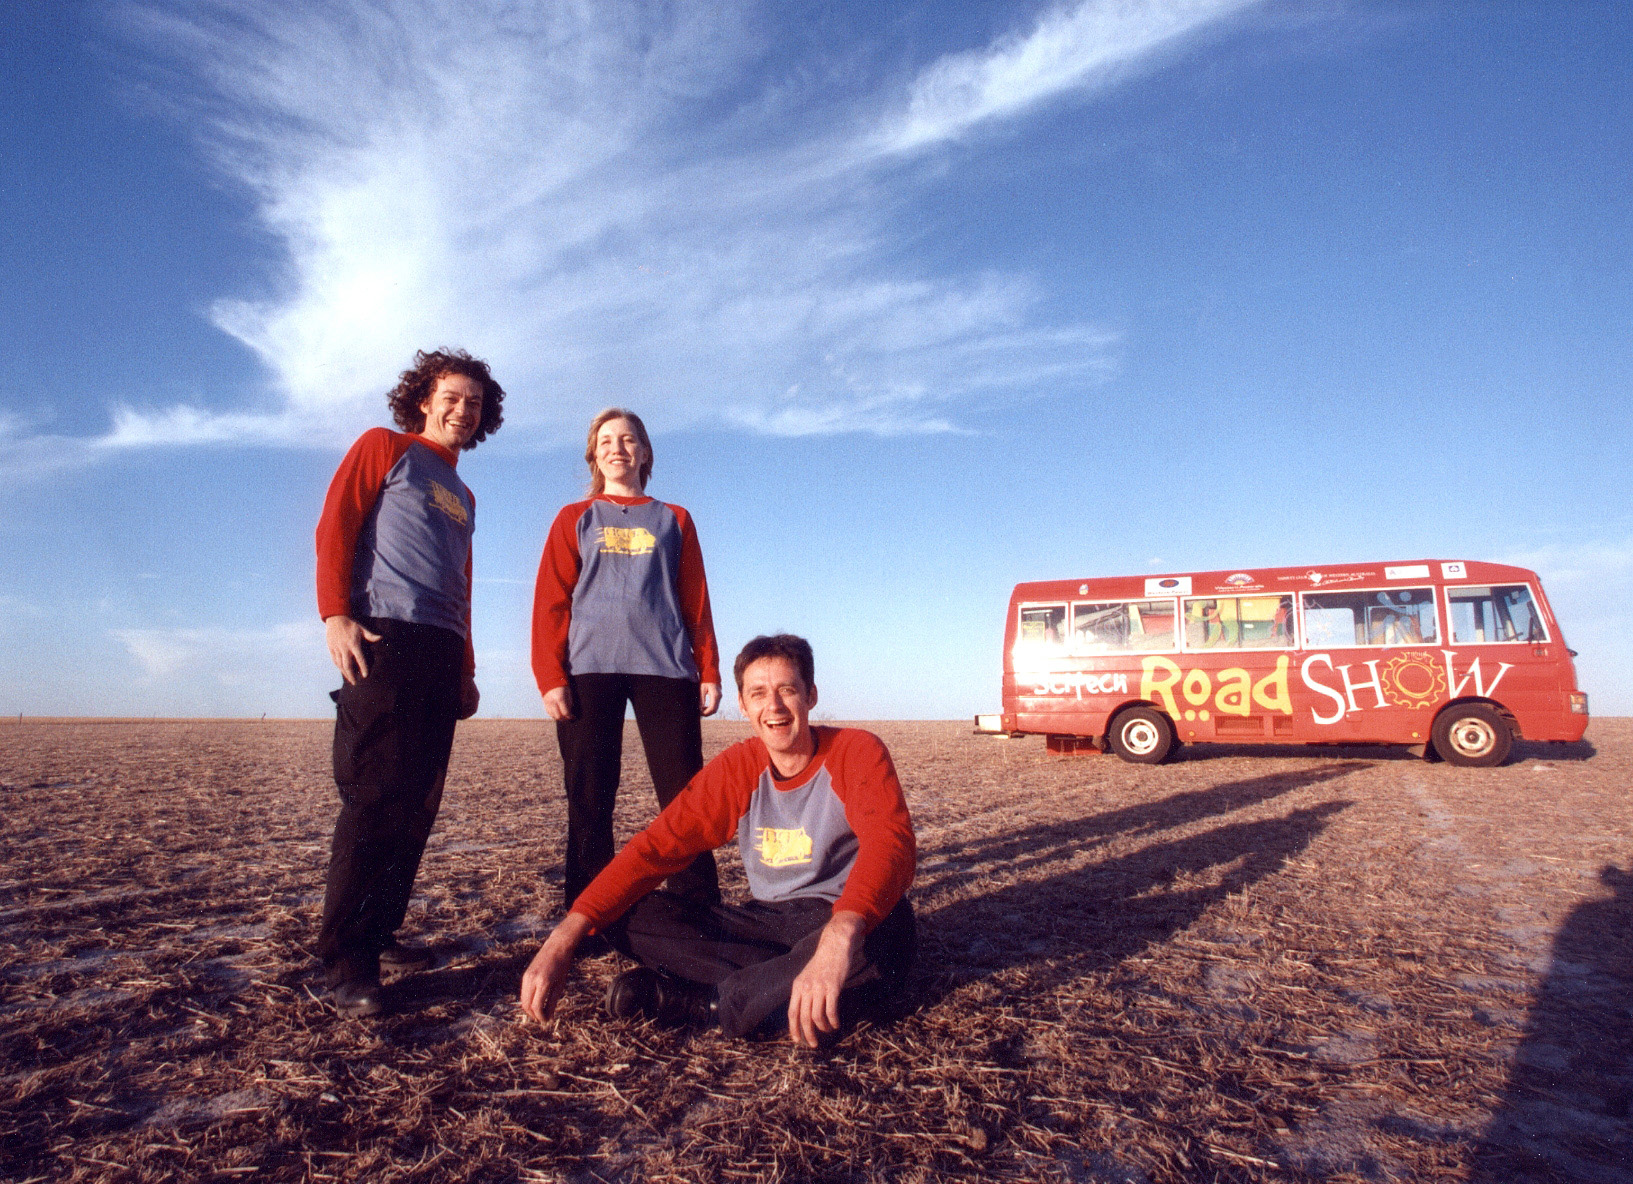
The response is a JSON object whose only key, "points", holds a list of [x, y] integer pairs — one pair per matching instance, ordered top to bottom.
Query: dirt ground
{"points": [[1249, 964]]}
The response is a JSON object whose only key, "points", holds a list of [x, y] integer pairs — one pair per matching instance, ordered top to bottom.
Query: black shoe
{"points": [[403, 959], [632, 994], [358, 997], [669, 1001], [683, 1004]]}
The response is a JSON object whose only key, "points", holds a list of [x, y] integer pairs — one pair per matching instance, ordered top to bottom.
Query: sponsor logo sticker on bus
{"points": [[1453, 571], [1168, 586]]}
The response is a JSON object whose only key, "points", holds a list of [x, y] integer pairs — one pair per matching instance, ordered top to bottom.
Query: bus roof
{"points": [[1270, 580]]}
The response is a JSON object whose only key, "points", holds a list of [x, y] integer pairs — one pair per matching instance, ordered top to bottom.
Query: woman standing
{"points": [[621, 616]]}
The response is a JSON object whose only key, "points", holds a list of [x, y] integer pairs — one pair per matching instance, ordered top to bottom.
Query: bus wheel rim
{"points": [[1140, 736], [1473, 737]]}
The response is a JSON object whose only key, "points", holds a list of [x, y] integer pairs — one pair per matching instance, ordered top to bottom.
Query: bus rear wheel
{"points": [[1142, 735], [1473, 735]]}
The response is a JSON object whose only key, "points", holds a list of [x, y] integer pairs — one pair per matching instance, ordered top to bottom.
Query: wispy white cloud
{"points": [[1072, 48], [610, 203], [192, 425], [225, 656]]}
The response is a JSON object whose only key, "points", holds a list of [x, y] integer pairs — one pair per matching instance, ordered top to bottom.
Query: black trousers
{"points": [[393, 733], [592, 753], [752, 953]]}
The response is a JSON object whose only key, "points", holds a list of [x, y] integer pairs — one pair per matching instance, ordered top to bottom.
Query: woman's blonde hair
{"points": [[597, 481]]}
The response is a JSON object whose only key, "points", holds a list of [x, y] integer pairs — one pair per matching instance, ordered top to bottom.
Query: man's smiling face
{"points": [[777, 702]]}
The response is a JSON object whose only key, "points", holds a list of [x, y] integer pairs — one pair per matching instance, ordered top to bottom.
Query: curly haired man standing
{"points": [[394, 590]]}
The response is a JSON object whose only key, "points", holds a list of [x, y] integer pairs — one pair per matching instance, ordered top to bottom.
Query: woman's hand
{"points": [[709, 694], [558, 703]]}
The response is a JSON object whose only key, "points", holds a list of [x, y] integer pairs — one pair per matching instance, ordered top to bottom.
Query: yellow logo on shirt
{"points": [[449, 504], [627, 540], [784, 848]]}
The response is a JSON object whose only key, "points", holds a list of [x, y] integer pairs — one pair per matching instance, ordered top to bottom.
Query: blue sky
{"points": [[919, 300]]}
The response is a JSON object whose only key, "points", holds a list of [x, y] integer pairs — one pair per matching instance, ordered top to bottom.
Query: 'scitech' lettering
{"points": [[1083, 684]]}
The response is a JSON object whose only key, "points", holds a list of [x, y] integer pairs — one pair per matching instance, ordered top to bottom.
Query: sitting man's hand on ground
{"points": [[546, 975], [813, 1005]]}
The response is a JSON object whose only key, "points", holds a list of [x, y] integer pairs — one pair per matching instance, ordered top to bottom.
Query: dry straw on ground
{"points": [[1262, 964]]}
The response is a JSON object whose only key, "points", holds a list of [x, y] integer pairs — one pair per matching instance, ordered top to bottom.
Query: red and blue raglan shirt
{"points": [[394, 540], [621, 590], [839, 831]]}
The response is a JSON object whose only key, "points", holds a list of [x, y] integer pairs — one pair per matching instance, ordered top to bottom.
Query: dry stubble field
{"points": [[1246, 965]]}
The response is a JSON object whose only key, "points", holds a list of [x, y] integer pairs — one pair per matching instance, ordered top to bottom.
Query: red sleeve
{"points": [[352, 494], [553, 598], [694, 601], [698, 819], [887, 852]]}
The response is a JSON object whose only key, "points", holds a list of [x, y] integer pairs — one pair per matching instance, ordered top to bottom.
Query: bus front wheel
{"points": [[1142, 735], [1473, 735]]}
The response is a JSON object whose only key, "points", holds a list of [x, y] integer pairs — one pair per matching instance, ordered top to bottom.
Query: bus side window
{"points": [[1394, 616], [1481, 616], [1330, 619], [1263, 621], [1524, 623], [1211, 624], [1151, 625], [1281, 626], [1043, 627], [1121, 627], [1099, 628]]}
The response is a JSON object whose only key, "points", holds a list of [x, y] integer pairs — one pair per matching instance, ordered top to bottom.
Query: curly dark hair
{"points": [[414, 387], [777, 645]]}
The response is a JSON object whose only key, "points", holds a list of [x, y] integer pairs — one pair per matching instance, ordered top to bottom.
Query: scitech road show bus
{"points": [[1458, 657]]}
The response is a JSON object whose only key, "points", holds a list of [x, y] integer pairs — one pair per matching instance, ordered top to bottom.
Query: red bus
{"points": [[1458, 657]]}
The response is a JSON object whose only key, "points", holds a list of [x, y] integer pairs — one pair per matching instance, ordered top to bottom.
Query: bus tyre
{"points": [[1142, 735], [1473, 735]]}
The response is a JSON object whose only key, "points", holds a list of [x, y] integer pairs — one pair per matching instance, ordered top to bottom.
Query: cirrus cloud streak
{"points": [[610, 203]]}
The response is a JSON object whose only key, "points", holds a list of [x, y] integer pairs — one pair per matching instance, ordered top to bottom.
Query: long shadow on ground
{"points": [[945, 863], [1092, 915], [1566, 1112]]}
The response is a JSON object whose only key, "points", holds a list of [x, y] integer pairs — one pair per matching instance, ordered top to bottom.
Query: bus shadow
{"points": [[1543, 750], [1369, 752], [949, 864], [1093, 917], [1565, 1114]]}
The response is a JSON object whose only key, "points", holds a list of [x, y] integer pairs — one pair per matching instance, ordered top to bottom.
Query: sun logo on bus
{"points": [[1413, 679]]}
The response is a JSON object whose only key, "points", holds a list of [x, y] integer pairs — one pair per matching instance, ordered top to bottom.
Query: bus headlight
{"points": [[1579, 703]]}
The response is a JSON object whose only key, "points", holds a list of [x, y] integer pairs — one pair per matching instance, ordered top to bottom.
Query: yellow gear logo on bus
{"points": [[450, 505], [627, 540], [1413, 680], [784, 848]]}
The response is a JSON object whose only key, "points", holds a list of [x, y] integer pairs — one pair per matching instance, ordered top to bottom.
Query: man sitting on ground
{"points": [[828, 848]]}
